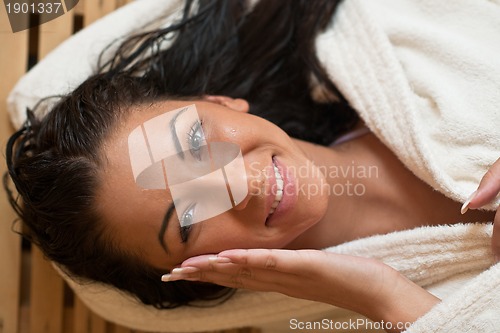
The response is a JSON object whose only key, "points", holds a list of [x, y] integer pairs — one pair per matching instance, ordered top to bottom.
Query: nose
{"points": [[218, 191]]}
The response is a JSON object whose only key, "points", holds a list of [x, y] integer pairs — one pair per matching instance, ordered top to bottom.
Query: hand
{"points": [[488, 189], [364, 285]]}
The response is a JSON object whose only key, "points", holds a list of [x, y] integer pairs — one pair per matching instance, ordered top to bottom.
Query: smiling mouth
{"points": [[279, 190]]}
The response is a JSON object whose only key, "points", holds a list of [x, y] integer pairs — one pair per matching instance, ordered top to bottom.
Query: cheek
{"points": [[217, 236]]}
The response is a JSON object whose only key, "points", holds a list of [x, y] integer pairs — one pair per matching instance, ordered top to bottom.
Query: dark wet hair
{"points": [[265, 55]]}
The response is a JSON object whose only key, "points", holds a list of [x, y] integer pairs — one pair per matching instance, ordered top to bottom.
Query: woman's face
{"points": [[136, 216]]}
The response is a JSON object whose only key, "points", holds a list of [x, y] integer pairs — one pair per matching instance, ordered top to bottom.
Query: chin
{"points": [[316, 213], [302, 227]]}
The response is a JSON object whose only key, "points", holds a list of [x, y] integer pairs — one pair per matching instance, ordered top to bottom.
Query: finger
{"points": [[489, 187], [203, 261], [285, 261], [212, 263], [206, 264], [256, 269], [255, 273], [236, 276], [259, 280]]}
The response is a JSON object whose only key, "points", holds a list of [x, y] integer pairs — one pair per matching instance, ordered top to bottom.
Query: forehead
{"points": [[153, 141], [120, 171], [122, 204]]}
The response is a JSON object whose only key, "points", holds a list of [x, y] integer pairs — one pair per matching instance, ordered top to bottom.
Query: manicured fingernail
{"points": [[465, 206], [219, 260], [184, 270], [179, 273], [166, 277]]}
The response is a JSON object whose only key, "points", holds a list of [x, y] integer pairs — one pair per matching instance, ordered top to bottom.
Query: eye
{"points": [[195, 140], [185, 221], [185, 233]]}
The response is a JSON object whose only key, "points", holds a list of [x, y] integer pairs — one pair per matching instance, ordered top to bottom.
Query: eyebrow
{"points": [[173, 130], [170, 210], [164, 225]]}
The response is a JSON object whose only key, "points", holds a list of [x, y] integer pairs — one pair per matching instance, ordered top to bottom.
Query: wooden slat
{"points": [[120, 3], [79, 8], [95, 9], [54, 32], [13, 62], [47, 287], [46, 306], [81, 319], [68, 320], [84, 321], [98, 325], [120, 329], [238, 330]]}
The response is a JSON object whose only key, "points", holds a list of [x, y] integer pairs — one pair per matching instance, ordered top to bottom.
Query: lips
{"points": [[275, 190], [283, 195]]}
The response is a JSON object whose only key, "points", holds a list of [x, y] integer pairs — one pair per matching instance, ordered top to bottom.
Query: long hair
{"points": [[265, 55]]}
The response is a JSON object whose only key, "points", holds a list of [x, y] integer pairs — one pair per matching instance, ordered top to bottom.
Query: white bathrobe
{"points": [[425, 77]]}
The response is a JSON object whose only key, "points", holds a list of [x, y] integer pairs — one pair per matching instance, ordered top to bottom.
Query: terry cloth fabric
{"points": [[424, 76]]}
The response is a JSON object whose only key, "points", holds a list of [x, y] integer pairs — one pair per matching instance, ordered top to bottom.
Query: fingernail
{"points": [[465, 206], [219, 260], [184, 270], [179, 273], [166, 277]]}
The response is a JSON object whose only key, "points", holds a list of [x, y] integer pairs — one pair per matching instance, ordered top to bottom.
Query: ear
{"points": [[236, 104]]}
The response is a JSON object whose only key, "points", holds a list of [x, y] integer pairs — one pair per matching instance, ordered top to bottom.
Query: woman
{"points": [[83, 207]]}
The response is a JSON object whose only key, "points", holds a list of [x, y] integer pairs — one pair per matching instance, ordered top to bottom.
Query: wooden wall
{"points": [[33, 298]]}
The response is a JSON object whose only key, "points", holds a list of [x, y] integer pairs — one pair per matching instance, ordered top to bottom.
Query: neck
{"points": [[365, 180], [353, 182], [372, 192]]}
